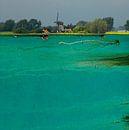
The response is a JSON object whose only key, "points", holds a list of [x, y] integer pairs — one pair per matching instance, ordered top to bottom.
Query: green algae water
{"points": [[64, 83]]}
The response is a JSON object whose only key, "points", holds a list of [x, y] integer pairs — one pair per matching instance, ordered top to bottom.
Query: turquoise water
{"points": [[46, 85]]}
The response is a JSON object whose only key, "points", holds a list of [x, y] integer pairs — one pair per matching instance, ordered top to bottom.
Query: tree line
{"points": [[100, 25], [22, 26], [95, 26]]}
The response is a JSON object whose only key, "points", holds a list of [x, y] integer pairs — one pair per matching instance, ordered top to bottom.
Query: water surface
{"points": [[46, 85]]}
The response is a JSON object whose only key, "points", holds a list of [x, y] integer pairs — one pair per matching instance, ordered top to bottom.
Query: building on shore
{"points": [[59, 24]]}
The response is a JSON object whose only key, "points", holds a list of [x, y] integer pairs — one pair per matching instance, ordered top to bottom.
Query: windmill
{"points": [[59, 24]]}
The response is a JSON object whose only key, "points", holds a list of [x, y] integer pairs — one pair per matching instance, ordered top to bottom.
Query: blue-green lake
{"points": [[64, 83]]}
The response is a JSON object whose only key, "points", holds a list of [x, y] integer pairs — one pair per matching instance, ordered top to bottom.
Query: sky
{"points": [[70, 11]]}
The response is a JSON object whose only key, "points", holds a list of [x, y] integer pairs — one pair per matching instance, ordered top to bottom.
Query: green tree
{"points": [[110, 22], [81, 23], [9, 25], [33, 25], [127, 25], [1, 26], [21, 26], [24, 26], [70, 26], [96, 26], [80, 27], [90, 27], [52, 29]]}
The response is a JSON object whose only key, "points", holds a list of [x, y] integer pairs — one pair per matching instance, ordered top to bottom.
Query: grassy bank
{"points": [[117, 33], [19, 34], [40, 34], [58, 34]]}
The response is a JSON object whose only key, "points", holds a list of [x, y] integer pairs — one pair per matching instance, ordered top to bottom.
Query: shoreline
{"points": [[117, 33], [51, 34], [61, 34]]}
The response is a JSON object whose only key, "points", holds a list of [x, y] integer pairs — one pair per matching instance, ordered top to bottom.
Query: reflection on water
{"points": [[117, 61], [109, 62], [125, 120]]}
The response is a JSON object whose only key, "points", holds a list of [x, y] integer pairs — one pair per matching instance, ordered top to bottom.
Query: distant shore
{"points": [[53, 34], [58, 34]]}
